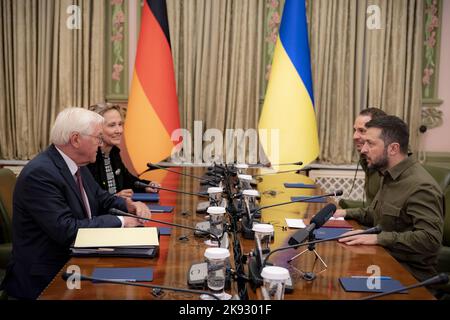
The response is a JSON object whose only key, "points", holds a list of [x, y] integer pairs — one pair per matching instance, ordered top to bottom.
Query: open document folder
{"points": [[124, 242]]}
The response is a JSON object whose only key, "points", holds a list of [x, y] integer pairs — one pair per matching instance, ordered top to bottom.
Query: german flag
{"points": [[152, 113]]}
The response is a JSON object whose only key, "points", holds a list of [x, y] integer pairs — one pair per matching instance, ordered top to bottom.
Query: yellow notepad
{"points": [[116, 237]]}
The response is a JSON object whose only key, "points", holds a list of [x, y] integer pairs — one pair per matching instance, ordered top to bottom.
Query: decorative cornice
{"points": [[272, 19], [431, 117]]}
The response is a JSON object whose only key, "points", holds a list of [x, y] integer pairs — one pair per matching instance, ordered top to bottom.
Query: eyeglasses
{"points": [[99, 138]]}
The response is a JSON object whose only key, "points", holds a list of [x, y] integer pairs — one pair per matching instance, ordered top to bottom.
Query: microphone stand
{"points": [[247, 222], [374, 230], [237, 250], [255, 266], [67, 275], [310, 275]]}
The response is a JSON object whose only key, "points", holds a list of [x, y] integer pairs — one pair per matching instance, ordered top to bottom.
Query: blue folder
{"points": [[299, 185], [147, 197], [307, 199], [159, 209], [163, 231], [326, 233], [124, 274], [359, 284]]}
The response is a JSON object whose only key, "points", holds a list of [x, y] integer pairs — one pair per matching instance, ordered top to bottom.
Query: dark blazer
{"points": [[123, 178], [47, 212]]}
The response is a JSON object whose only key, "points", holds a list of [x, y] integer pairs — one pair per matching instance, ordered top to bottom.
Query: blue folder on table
{"points": [[299, 185], [150, 197], [308, 199], [159, 209], [163, 231], [327, 233], [123, 274], [360, 284]]}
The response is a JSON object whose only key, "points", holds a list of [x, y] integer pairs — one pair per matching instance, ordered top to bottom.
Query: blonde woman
{"points": [[108, 169]]}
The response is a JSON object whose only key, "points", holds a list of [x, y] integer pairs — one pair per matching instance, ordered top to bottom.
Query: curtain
{"points": [[217, 49], [336, 51], [395, 63], [355, 67], [45, 68]]}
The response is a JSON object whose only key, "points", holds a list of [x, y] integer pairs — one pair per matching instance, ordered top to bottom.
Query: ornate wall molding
{"points": [[272, 19], [117, 68], [431, 115]]}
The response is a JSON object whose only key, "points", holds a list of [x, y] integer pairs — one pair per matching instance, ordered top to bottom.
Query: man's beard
{"points": [[380, 164]]}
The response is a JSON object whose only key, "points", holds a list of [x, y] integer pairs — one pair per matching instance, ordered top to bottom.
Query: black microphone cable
{"points": [[354, 180], [237, 250]]}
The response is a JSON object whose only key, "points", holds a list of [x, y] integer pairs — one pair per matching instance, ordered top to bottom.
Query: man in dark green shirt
{"points": [[409, 205]]}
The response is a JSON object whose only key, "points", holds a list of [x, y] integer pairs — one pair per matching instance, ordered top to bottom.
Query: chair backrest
{"points": [[440, 174], [442, 177], [7, 183]]}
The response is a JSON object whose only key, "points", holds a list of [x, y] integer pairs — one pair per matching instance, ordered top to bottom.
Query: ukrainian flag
{"points": [[289, 103]]}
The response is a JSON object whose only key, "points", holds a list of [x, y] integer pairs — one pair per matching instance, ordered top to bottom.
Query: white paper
{"points": [[340, 218], [295, 223], [116, 237]]}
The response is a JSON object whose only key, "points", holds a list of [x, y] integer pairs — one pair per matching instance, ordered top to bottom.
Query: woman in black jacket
{"points": [[109, 170]]}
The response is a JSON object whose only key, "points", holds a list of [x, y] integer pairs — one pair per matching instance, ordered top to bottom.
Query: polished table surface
{"points": [[182, 249]]}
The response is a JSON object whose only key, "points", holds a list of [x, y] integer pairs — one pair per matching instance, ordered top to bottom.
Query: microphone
{"points": [[268, 164], [307, 169], [212, 182], [139, 184], [337, 193], [117, 212], [247, 222], [316, 222], [373, 230], [256, 265], [65, 276], [441, 278]]}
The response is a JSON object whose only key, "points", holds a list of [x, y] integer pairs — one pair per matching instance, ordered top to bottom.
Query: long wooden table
{"points": [[181, 249]]}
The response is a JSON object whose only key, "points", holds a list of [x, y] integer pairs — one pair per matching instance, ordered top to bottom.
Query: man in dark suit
{"points": [[55, 195]]}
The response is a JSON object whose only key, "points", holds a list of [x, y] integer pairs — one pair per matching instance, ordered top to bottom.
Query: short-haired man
{"points": [[371, 177], [54, 196], [409, 205]]}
